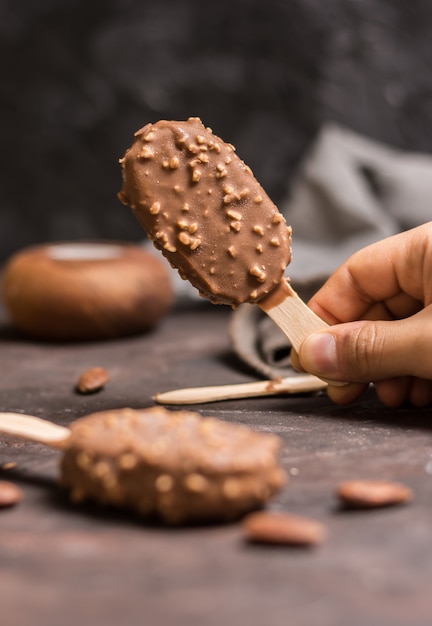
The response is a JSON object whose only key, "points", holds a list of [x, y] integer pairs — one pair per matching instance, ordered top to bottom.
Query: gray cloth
{"points": [[349, 192]]}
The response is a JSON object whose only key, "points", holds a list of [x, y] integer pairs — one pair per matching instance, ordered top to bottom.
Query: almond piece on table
{"points": [[92, 380], [9, 465], [10, 494], [367, 494], [283, 529]]}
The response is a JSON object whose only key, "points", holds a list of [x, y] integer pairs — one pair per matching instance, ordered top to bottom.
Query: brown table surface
{"points": [[65, 565]]}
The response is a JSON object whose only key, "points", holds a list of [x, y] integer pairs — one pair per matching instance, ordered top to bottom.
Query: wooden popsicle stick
{"points": [[291, 314], [295, 319], [302, 383], [34, 429]]}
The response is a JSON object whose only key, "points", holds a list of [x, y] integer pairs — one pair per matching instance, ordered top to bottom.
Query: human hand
{"points": [[379, 303]]}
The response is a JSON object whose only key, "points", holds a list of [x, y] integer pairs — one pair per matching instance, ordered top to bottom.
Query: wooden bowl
{"points": [[86, 290]]}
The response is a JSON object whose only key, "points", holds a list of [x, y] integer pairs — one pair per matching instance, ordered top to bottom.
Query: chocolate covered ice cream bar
{"points": [[203, 208], [175, 466]]}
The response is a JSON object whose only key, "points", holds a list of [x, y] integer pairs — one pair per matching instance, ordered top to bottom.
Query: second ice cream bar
{"points": [[203, 208]]}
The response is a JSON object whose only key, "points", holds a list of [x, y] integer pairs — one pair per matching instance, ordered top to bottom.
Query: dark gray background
{"points": [[78, 77]]}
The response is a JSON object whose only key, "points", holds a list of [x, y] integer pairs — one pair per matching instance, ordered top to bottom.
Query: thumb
{"points": [[371, 350]]}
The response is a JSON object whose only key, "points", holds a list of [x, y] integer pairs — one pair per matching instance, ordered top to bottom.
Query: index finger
{"points": [[387, 277]]}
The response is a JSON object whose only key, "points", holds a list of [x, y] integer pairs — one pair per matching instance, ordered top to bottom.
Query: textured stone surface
{"points": [[78, 78], [81, 564]]}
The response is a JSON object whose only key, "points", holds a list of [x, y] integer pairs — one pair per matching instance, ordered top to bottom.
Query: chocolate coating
{"points": [[203, 208], [176, 466]]}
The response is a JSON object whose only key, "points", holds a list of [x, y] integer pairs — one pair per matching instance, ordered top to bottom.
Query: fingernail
{"points": [[318, 354]]}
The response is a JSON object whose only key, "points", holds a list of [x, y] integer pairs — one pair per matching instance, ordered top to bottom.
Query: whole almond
{"points": [[92, 380], [372, 493], [10, 494], [283, 529]]}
